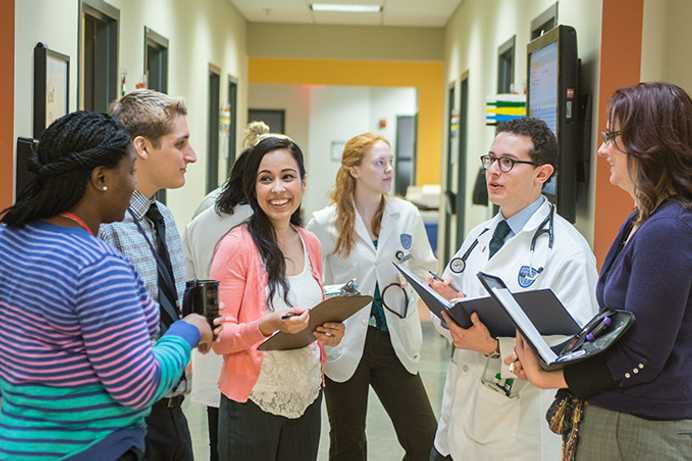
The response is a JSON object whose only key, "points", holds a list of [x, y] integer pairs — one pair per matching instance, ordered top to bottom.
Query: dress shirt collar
{"points": [[139, 204], [519, 220]]}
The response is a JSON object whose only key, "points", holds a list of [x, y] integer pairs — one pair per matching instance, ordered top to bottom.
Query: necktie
{"points": [[501, 232], [168, 296]]}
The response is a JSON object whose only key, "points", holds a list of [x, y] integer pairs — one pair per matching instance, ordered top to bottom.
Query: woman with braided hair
{"points": [[78, 370]]}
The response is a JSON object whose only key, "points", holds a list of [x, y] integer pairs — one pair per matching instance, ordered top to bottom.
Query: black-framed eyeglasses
{"points": [[609, 136], [505, 163]]}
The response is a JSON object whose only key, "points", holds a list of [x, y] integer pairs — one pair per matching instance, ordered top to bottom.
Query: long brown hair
{"points": [[656, 129], [345, 189]]}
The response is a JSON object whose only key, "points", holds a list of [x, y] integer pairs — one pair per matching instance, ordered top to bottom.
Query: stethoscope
{"points": [[458, 265]]}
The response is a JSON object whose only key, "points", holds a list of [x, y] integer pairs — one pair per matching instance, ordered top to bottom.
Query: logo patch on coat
{"points": [[406, 241], [527, 275]]}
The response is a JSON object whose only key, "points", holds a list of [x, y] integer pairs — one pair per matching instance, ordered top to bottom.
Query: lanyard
{"points": [[79, 221]]}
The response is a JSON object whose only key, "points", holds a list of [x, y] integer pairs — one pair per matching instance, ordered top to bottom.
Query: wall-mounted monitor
{"points": [[553, 73]]}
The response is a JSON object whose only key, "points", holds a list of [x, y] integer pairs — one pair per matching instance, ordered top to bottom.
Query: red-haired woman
{"points": [[362, 233]]}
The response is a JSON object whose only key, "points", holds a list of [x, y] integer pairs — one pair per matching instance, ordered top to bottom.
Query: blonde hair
{"points": [[148, 113], [257, 131], [344, 191]]}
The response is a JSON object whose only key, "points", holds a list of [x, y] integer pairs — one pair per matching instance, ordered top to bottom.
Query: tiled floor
{"points": [[382, 443]]}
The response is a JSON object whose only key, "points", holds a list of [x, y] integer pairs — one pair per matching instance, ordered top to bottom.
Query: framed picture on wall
{"points": [[51, 87], [335, 150]]}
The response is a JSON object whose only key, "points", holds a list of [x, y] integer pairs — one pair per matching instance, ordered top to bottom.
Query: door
{"points": [[275, 118], [404, 163], [461, 163], [450, 198]]}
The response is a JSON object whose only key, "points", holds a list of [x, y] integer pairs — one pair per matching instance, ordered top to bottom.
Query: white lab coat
{"points": [[401, 222], [200, 238], [476, 422]]}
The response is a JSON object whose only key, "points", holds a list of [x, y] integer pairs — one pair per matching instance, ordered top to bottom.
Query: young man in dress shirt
{"points": [[148, 237]]}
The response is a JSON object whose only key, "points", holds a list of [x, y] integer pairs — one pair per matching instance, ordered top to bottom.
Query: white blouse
{"points": [[289, 381]]}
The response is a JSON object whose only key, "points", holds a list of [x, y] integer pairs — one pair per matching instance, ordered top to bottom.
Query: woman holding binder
{"points": [[362, 233], [270, 272], [634, 401]]}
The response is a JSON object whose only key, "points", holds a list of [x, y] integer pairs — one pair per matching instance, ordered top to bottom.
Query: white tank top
{"points": [[289, 381]]}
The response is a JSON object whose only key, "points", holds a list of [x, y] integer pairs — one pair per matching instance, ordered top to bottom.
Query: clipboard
{"points": [[541, 306], [335, 309], [577, 347]]}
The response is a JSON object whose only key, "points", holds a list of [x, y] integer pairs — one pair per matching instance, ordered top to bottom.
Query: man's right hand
{"points": [[445, 289], [205, 334]]}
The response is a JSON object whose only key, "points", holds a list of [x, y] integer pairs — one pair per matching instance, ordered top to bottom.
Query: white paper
{"points": [[525, 325]]}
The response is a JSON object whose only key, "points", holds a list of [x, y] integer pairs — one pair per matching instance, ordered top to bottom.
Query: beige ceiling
{"points": [[419, 13]]}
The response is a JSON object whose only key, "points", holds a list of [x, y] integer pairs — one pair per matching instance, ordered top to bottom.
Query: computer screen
{"points": [[553, 71], [543, 81]]}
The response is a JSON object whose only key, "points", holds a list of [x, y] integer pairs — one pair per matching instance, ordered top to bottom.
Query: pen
{"points": [[435, 276], [288, 315], [599, 329]]}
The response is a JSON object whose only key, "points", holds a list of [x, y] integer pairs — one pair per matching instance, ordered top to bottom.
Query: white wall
{"points": [[199, 33], [473, 35], [666, 37], [294, 99], [318, 115]]}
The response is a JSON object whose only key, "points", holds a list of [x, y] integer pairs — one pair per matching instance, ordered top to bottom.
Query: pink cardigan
{"points": [[238, 267]]}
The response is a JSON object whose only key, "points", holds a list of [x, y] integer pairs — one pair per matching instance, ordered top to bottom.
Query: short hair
{"points": [[148, 113], [544, 141]]}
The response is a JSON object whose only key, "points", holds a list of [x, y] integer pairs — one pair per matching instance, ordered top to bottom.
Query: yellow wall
{"points": [[425, 76]]}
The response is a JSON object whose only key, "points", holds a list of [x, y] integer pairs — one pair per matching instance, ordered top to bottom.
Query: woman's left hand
{"points": [[330, 333], [524, 364]]}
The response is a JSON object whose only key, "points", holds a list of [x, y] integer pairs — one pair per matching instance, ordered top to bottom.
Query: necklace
{"points": [[74, 218]]}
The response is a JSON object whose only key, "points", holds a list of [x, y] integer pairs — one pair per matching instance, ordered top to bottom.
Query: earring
{"points": [[104, 188]]}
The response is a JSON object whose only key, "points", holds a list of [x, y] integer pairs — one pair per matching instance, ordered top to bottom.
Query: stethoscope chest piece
{"points": [[457, 265]]}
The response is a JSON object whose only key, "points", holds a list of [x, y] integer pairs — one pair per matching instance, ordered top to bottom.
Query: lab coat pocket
{"points": [[411, 336], [493, 416]]}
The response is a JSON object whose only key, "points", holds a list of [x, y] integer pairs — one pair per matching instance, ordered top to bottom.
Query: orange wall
{"points": [[621, 45], [426, 76], [6, 102]]}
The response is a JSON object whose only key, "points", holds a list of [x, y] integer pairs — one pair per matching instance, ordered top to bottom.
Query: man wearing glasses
{"points": [[485, 413]]}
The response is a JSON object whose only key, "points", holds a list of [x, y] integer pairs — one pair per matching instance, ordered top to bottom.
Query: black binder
{"points": [[542, 306], [577, 347]]}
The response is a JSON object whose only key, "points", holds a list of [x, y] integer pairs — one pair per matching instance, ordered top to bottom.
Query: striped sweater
{"points": [[78, 372]]}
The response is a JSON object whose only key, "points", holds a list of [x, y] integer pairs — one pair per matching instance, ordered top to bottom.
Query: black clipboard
{"points": [[542, 306], [335, 309], [576, 348]]}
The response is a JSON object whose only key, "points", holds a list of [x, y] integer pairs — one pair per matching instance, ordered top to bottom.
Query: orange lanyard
{"points": [[78, 220]]}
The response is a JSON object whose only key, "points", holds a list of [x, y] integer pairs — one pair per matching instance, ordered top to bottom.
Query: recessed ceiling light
{"points": [[342, 8]]}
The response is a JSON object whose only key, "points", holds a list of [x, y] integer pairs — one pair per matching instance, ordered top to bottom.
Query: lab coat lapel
{"points": [[389, 228], [362, 230]]}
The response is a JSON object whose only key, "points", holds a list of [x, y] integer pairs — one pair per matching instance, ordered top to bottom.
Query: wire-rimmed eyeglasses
{"points": [[505, 163]]}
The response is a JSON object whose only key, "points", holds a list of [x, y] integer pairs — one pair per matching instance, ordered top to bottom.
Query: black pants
{"points": [[402, 395], [213, 423], [246, 432], [168, 437], [436, 456]]}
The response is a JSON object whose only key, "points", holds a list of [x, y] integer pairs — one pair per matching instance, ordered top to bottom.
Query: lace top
{"points": [[289, 381]]}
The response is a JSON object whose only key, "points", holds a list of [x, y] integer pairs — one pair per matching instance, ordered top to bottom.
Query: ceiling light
{"points": [[341, 8]]}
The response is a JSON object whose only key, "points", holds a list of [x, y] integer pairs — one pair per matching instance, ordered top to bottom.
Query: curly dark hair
{"points": [[655, 122], [544, 141], [69, 149]]}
